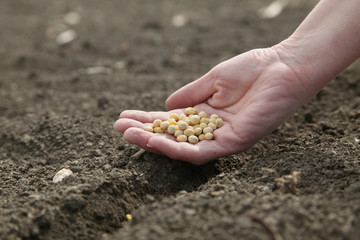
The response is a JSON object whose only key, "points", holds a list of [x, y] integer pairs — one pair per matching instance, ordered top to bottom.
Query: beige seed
{"points": [[190, 110], [203, 114], [174, 116], [182, 116], [214, 116], [195, 119], [187, 120], [204, 120], [212, 120], [172, 121], [219, 122], [157, 123], [164, 125], [182, 125], [212, 125], [191, 127], [149, 129], [171, 129], [158, 130], [208, 130], [198, 131], [188, 132], [178, 133], [209, 136], [202, 137], [181, 138], [193, 139], [128, 217]]}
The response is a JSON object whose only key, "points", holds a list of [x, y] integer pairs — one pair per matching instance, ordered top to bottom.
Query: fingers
{"points": [[193, 93], [146, 117], [124, 123], [132, 123], [139, 137], [166, 144], [197, 154]]}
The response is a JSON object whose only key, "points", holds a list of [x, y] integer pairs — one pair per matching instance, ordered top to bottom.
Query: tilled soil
{"points": [[59, 102]]}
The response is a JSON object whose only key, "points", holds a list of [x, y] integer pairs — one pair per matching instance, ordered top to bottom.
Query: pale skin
{"points": [[257, 91]]}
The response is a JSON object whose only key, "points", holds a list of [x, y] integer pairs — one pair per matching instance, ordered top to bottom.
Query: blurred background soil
{"points": [[68, 68]]}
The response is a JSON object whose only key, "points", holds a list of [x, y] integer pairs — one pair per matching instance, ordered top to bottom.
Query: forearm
{"points": [[324, 44]]}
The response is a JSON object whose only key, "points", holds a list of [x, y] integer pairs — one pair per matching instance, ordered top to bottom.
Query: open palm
{"points": [[253, 93]]}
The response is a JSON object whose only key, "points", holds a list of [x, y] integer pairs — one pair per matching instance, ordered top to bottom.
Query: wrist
{"points": [[325, 43], [290, 54], [313, 61]]}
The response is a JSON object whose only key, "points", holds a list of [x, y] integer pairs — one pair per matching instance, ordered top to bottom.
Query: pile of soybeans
{"points": [[189, 127]]}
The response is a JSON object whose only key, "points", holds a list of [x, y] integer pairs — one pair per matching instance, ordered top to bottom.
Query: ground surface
{"points": [[57, 112]]}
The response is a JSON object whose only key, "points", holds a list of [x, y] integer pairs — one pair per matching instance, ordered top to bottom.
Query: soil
{"points": [[57, 111]]}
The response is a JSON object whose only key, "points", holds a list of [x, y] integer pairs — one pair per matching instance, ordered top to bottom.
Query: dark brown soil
{"points": [[54, 115]]}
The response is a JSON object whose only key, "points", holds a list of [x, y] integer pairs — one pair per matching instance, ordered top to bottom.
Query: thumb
{"points": [[193, 93]]}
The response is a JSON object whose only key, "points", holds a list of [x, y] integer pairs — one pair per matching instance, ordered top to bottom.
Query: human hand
{"points": [[253, 93]]}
